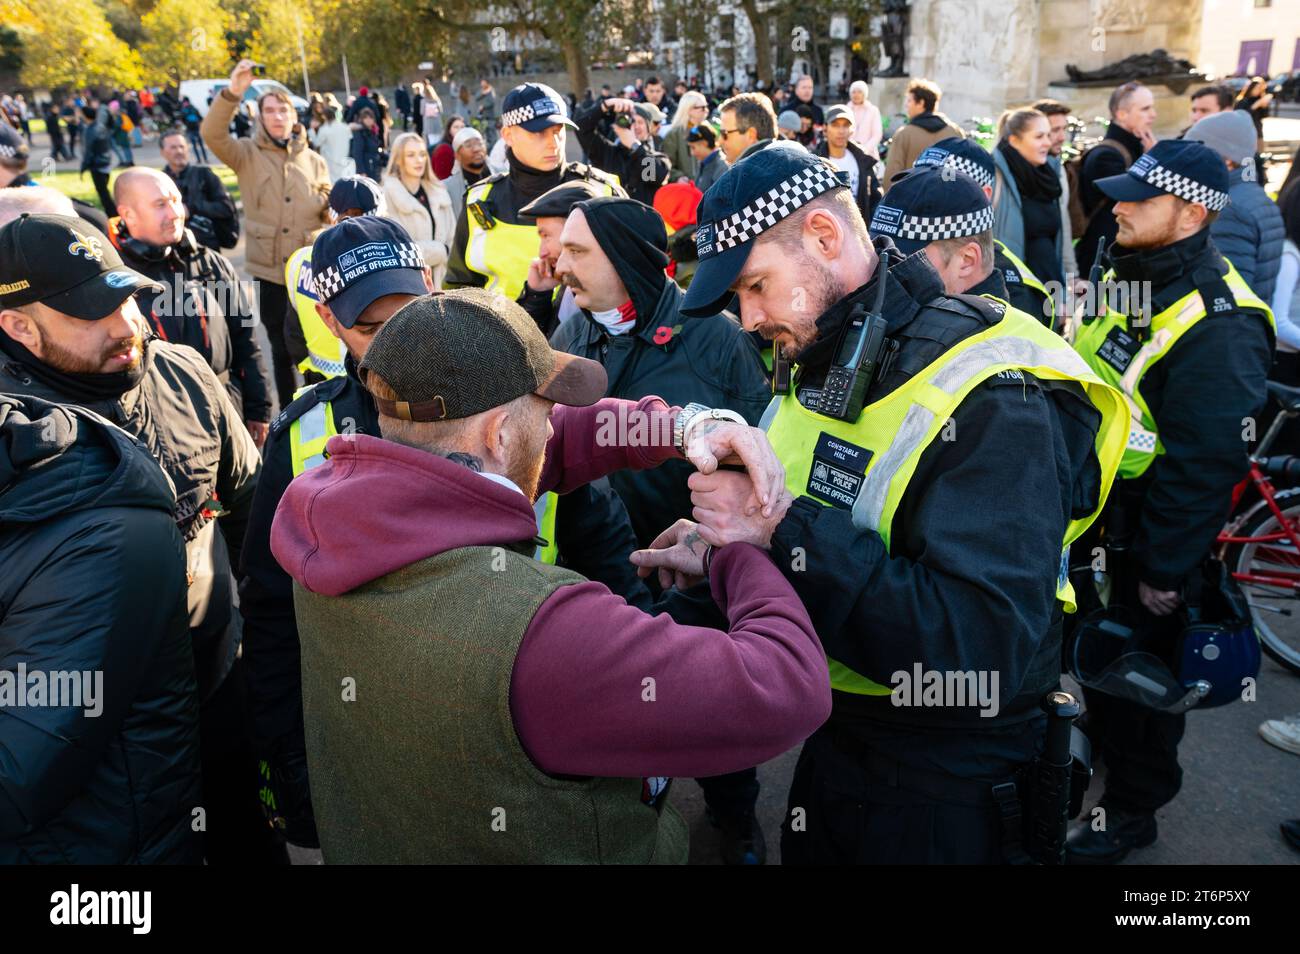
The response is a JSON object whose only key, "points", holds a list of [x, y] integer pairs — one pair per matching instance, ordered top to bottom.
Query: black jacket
{"points": [[367, 153], [1103, 160], [641, 170], [511, 191], [868, 193], [210, 211], [206, 307], [710, 361], [1200, 394], [182, 414], [591, 530], [93, 581], [969, 581]]}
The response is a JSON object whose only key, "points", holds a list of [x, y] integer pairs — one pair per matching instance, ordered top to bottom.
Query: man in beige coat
{"points": [[925, 126], [284, 187]]}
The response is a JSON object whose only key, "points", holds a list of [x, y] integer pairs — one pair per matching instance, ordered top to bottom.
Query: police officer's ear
{"points": [[826, 231], [428, 279], [330, 322], [20, 325]]}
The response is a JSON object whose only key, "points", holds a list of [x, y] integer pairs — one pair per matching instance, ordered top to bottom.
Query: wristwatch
{"points": [[692, 414]]}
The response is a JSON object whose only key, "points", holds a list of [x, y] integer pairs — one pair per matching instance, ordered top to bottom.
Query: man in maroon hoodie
{"points": [[466, 703]]}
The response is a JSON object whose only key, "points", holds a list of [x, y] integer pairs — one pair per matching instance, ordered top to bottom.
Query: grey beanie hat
{"points": [[789, 120], [1231, 134]]}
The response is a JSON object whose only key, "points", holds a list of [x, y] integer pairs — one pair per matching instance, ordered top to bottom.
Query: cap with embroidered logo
{"points": [[535, 106], [963, 155], [1189, 170], [748, 199], [929, 204], [362, 259], [65, 264]]}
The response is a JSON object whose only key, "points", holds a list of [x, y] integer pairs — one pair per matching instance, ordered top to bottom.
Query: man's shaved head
{"points": [[129, 179], [36, 200]]}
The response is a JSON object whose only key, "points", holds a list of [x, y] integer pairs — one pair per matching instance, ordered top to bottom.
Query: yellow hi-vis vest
{"points": [[502, 251], [1028, 278], [325, 353], [1120, 358], [309, 434], [825, 457]]}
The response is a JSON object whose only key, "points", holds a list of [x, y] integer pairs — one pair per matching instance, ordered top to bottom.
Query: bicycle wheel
{"points": [[1274, 608]]}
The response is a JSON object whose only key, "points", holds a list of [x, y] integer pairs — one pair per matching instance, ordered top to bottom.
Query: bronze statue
{"points": [[894, 36], [1172, 71]]}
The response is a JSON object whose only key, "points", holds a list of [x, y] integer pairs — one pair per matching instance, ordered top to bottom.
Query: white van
{"points": [[201, 90]]}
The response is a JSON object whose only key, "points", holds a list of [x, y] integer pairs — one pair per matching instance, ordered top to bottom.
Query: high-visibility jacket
{"points": [[499, 250], [1025, 276], [1121, 352], [325, 353], [311, 431], [865, 465]]}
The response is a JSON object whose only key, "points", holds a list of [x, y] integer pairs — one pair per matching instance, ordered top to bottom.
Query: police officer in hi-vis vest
{"points": [[494, 246], [365, 269], [1024, 289], [325, 351], [1193, 371], [940, 454]]}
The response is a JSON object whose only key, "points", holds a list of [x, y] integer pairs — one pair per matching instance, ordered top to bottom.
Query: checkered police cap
{"points": [[961, 155], [1169, 181], [767, 210], [936, 228], [329, 280]]}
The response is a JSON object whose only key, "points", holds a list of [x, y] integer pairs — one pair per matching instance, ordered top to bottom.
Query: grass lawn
{"points": [[72, 183]]}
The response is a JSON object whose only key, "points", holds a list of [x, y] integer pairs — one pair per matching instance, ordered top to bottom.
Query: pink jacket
{"points": [[867, 129]]}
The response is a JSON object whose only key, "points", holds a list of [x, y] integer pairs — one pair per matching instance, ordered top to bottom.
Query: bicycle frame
{"points": [[1284, 579]]}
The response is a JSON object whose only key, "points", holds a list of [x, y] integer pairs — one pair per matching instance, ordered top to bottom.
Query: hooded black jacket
{"points": [[641, 169], [707, 360], [182, 414], [94, 580], [969, 580]]}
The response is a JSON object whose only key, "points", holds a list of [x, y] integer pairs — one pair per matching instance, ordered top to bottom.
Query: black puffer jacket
{"points": [[182, 414], [94, 580]]}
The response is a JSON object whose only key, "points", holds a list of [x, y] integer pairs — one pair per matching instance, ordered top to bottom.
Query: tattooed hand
{"points": [[678, 554]]}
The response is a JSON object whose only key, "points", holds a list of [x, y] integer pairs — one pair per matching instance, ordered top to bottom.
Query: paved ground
{"points": [[1236, 789]]}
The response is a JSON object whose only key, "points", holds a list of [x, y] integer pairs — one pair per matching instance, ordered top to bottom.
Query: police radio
{"points": [[1094, 279], [862, 345]]}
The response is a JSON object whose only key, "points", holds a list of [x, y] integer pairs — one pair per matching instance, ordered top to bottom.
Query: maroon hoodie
{"points": [[724, 700]]}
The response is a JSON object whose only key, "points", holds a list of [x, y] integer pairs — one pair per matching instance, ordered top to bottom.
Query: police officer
{"points": [[493, 246], [965, 257], [365, 269], [1024, 289], [320, 354], [1192, 364], [940, 454]]}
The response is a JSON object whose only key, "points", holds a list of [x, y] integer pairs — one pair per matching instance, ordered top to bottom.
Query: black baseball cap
{"points": [[535, 106], [963, 155], [1181, 167], [356, 192], [747, 200], [559, 201], [930, 204], [362, 259], [65, 264], [452, 355]]}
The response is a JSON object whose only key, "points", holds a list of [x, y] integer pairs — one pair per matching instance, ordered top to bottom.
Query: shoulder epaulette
{"points": [[308, 399]]}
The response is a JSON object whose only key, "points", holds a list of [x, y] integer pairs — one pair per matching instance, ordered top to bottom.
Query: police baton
{"points": [[1050, 811]]}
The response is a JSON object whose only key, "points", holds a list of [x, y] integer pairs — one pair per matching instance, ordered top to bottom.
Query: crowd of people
{"points": [[566, 478]]}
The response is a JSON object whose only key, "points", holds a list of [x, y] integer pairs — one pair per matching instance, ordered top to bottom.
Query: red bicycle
{"points": [[1261, 543]]}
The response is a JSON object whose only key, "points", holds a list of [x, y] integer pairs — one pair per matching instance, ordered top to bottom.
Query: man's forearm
{"points": [[610, 435]]}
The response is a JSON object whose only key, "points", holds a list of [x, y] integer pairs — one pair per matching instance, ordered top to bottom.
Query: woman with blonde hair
{"points": [[692, 110], [867, 128], [1027, 194], [419, 202]]}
